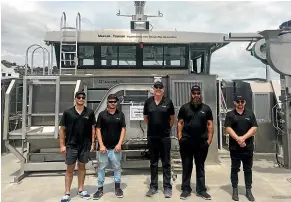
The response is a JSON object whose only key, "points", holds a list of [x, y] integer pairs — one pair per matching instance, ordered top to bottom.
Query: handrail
{"points": [[63, 20], [78, 22], [26, 56], [48, 63], [223, 102]]}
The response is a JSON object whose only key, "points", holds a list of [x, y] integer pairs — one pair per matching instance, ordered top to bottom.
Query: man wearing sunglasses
{"points": [[159, 116], [241, 126], [111, 129], [195, 133], [77, 134]]}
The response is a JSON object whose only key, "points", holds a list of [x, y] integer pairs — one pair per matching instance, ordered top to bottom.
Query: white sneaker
{"points": [[84, 194]]}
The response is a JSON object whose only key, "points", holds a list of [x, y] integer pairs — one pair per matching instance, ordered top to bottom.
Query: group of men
{"points": [[195, 130]]}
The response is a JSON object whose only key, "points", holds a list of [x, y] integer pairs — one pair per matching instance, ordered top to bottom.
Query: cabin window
{"points": [[86, 55], [109, 55], [153, 55], [123, 56], [127, 56], [174, 56], [3, 74], [9, 74]]}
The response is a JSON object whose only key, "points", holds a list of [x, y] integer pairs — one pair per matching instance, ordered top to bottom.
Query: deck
{"points": [[270, 184]]}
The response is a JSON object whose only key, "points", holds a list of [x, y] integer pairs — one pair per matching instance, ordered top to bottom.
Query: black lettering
{"points": [[102, 35], [118, 36], [106, 81]]}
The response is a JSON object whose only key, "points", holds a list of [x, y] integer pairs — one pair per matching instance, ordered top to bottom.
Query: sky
{"points": [[25, 23]]}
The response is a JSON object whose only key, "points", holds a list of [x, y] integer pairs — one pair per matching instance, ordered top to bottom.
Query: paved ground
{"points": [[270, 184]]}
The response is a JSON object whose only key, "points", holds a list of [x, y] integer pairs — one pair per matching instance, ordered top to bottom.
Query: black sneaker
{"points": [[151, 192], [118, 193], [98, 194], [185, 194], [204, 195], [249, 195]]}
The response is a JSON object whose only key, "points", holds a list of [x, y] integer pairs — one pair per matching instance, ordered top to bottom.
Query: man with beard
{"points": [[159, 116], [241, 125], [111, 129], [195, 133], [77, 135]]}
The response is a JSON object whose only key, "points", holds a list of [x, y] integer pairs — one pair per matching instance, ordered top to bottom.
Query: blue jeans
{"points": [[103, 160]]}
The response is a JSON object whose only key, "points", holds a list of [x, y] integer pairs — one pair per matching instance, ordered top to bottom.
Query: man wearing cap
{"points": [[159, 116], [241, 125], [110, 130], [195, 133], [77, 134]]}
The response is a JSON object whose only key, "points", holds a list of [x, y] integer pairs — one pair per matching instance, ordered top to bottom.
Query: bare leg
{"points": [[81, 176], [69, 178]]}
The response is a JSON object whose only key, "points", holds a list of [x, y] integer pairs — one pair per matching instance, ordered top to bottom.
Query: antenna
{"points": [[140, 21]]}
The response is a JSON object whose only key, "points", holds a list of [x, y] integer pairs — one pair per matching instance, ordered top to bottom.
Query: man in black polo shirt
{"points": [[159, 116], [241, 126], [111, 129], [195, 133], [77, 134]]}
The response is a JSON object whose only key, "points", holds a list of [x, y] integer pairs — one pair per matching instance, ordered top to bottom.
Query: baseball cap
{"points": [[158, 84], [195, 88], [80, 93], [112, 96], [239, 97]]}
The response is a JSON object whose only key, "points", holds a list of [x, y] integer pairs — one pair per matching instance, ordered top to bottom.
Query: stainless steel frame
{"points": [[45, 136]]}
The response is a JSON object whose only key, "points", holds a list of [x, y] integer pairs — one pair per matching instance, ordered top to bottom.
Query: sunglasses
{"points": [[158, 87], [196, 93], [81, 97], [240, 101], [111, 102]]}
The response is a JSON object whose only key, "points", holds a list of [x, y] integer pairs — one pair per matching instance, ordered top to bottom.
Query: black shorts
{"points": [[74, 154]]}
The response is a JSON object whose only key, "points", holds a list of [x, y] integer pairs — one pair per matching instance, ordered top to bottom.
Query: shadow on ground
{"points": [[228, 188], [92, 189]]}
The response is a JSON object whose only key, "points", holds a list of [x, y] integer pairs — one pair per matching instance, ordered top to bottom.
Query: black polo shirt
{"points": [[159, 116], [195, 121], [240, 123], [111, 125], [78, 127]]}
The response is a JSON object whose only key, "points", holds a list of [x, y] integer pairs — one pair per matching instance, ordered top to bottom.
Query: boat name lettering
{"points": [[136, 36], [106, 81]]}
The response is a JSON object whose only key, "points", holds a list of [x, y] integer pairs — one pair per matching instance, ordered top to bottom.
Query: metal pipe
{"points": [[63, 20], [78, 22], [62, 25], [245, 35], [237, 39], [48, 54], [26, 56], [52, 58], [268, 77], [77, 88], [30, 90], [24, 107], [57, 108], [7, 109], [14, 151]]}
